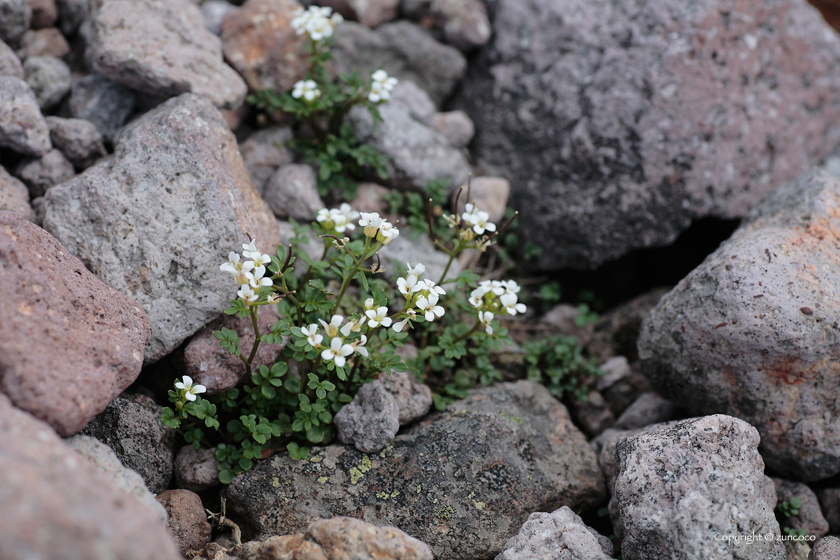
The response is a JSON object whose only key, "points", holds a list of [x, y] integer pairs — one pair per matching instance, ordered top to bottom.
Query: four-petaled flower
{"points": [[381, 86], [307, 89], [371, 222], [387, 232], [233, 265], [417, 270], [408, 286], [247, 295], [429, 307], [411, 315], [378, 317], [485, 318], [332, 328], [313, 337], [337, 352], [189, 390]]}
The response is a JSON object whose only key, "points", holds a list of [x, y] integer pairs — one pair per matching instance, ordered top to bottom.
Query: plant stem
{"points": [[445, 270], [346, 282], [468, 333], [253, 354]]}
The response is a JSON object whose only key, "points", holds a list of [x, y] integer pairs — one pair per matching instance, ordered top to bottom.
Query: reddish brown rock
{"points": [[44, 13], [43, 42], [259, 42], [71, 344], [216, 368], [54, 504], [187, 521]]}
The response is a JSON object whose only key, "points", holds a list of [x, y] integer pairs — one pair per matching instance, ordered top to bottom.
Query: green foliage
{"points": [[415, 208], [550, 294], [558, 363], [789, 508], [795, 532]]}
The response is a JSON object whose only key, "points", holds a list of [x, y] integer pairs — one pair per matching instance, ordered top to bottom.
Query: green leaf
{"points": [[315, 434], [226, 476]]}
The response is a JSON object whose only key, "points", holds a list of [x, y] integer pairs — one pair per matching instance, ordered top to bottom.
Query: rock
{"points": [[214, 12], [44, 13], [372, 13], [71, 14], [15, 17], [464, 22], [259, 41], [44, 42], [161, 47], [402, 49], [9, 62], [49, 78], [413, 98], [102, 102], [593, 103], [22, 127], [457, 127], [77, 139], [263, 153], [415, 154], [40, 174], [177, 191], [292, 192], [491, 195], [14, 196], [369, 197], [38, 209], [313, 246], [403, 249], [561, 319], [617, 331], [86, 332], [749, 334], [217, 369], [615, 369], [413, 399], [648, 409], [594, 414], [370, 421], [131, 426], [106, 461], [196, 470], [463, 481], [680, 484], [830, 504], [56, 505], [810, 518], [187, 521], [559, 534], [827, 548], [796, 550]]}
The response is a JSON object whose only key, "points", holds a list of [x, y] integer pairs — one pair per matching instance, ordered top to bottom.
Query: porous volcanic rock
{"points": [[105, 103], [644, 116], [22, 126], [79, 140], [177, 193], [14, 196], [463, 481], [187, 522], [559, 534]]}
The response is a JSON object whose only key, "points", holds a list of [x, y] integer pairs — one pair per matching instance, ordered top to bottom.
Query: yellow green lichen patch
{"points": [[515, 419], [386, 450], [316, 459], [365, 465], [357, 472], [355, 475], [323, 479], [275, 482], [419, 488], [395, 493], [382, 495], [471, 496], [479, 505], [444, 512]]}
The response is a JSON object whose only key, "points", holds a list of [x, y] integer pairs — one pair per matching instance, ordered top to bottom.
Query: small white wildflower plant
{"points": [[319, 101], [342, 324]]}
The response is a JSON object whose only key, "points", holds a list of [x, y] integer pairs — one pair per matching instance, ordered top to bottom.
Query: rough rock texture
{"points": [[214, 12], [44, 13], [71, 14], [15, 17], [464, 22], [259, 41], [43, 42], [161, 47], [402, 49], [9, 62], [49, 78], [102, 102], [643, 116], [22, 127], [457, 127], [79, 140], [263, 156], [40, 174], [177, 192], [292, 192], [14, 196], [370, 197], [38, 209], [403, 249], [561, 319], [751, 333], [90, 337], [217, 369], [414, 399], [648, 409], [593, 415], [371, 420], [132, 428], [196, 470], [462, 481], [679, 485], [54, 504], [830, 506], [810, 518], [187, 522], [560, 534], [827, 548], [795, 550]]}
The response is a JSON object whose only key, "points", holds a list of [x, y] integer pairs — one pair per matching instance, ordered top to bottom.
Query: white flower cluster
{"points": [[318, 23], [381, 86], [307, 89], [340, 219], [477, 219], [378, 228], [250, 274], [422, 296], [496, 296], [338, 350], [188, 389]]}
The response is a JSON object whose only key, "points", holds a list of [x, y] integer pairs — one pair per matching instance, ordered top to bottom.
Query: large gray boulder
{"points": [[161, 48], [643, 116], [157, 219], [751, 332], [463, 481], [680, 486]]}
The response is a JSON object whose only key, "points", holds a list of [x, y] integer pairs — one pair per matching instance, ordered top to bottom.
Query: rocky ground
{"points": [[131, 163]]}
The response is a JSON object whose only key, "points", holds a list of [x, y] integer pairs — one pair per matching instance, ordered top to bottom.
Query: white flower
{"points": [[316, 22], [381, 86], [307, 89], [325, 215], [343, 217], [371, 222], [481, 224], [387, 233], [248, 248], [259, 260], [233, 265], [417, 270], [256, 279], [408, 286], [429, 286], [510, 286], [246, 294], [369, 303], [510, 305], [429, 307], [411, 315], [378, 317], [485, 317], [353, 326], [332, 328], [313, 337], [359, 347], [337, 352], [190, 390]]}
